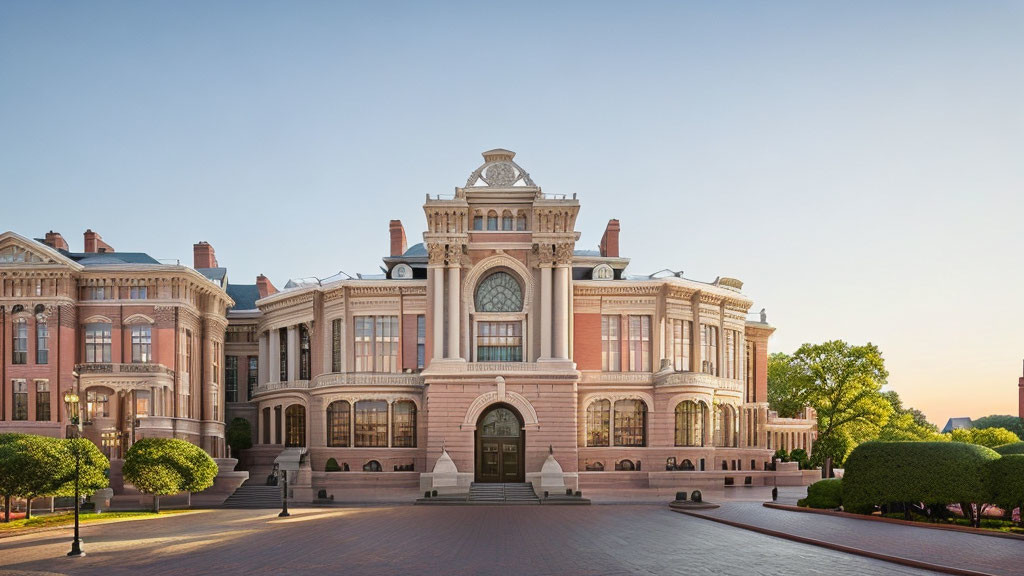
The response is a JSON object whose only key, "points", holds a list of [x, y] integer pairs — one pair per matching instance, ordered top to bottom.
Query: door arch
{"points": [[500, 445]]}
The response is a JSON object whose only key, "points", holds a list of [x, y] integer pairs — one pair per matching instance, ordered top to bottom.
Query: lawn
{"points": [[68, 518]]}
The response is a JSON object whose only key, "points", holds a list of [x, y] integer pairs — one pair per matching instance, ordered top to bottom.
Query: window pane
{"points": [[338, 415], [371, 423], [598, 423], [630, 423], [403, 425]]}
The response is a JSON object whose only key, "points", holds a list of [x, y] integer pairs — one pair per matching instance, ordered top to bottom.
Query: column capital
{"points": [[435, 254], [563, 254]]}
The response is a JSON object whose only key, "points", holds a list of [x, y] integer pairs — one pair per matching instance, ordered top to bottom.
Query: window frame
{"points": [[19, 341], [98, 342]]}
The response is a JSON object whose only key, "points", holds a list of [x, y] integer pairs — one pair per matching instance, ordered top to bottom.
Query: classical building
{"points": [[140, 342], [499, 342]]}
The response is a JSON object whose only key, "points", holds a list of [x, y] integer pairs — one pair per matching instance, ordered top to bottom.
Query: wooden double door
{"points": [[500, 440]]}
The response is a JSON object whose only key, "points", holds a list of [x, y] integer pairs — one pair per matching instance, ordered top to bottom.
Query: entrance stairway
{"points": [[519, 493], [254, 496]]}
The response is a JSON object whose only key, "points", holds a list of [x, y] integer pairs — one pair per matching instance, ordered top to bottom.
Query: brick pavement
{"points": [[606, 540], [964, 551]]}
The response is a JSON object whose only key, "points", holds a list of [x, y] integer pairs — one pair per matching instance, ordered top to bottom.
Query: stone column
{"points": [[436, 267], [454, 294], [545, 310], [561, 312], [293, 356], [274, 357], [261, 376]]}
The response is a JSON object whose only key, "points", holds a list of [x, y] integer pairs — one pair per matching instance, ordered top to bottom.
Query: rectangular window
{"points": [[39, 287], [137, 292], [97, 293], [241, 333], [20, 335], [681, 335], [282, 337], [421, 341], [97, 342], [499, 342], [42, 343], [142, 343], [376, 343], [640, 343], [336, 345], [611, 345], [709, 349], [188, 352], [305, 356], [732, 361], [216, 363], [252, 376], [231, 379], [20, 389], [42, 400], [141, 403], [97, 405], [371, 424], [266, 425], [403, 425]]}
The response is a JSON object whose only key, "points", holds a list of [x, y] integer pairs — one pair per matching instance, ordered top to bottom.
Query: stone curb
{"points": [[84, 525], [953, 528], [840, 547]]}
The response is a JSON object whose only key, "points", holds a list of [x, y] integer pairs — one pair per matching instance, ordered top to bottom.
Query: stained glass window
{"points": [[499, 292], [500, 422]]}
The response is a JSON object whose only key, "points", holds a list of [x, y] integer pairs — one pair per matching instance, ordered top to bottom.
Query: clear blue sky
{"points": [[859, 167]]}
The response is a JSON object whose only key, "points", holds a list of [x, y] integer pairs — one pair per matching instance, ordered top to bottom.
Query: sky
{"points": [[858, 166]]}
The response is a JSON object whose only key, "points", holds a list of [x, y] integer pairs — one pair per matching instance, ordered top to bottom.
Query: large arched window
{"points": [[499, 292], [499, 338], [339, 417], [598, 422], [630, 423], [371, 424], [403, 424], [689, 424], [295, 426], [726, 426]]}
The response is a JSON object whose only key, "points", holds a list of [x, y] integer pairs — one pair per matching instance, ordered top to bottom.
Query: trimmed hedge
{"points": [[1011, 448], [332, 466], [879, 473], [1006, 481], [827, 494]]}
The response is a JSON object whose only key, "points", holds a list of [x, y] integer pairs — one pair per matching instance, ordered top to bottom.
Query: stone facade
{"points": [[626, 380]]}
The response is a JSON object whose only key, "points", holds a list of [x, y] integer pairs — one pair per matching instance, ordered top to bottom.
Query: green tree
{"points": [[844, 385], [1011, 423], [239, 436], [988, 437], [37, 466], [164, 466], [93, 468], [1004, 483]]}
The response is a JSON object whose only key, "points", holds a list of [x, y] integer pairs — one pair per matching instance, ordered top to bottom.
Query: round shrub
{"points": [[1011, 448], [162, 466], [332, 466], [879, 473], [1006, 481], [826, 494]]}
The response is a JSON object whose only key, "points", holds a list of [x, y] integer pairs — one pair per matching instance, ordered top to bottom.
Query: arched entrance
{"points": [[500, 443]]}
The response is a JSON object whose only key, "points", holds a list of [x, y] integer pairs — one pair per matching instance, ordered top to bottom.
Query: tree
{"points": [[843, 383], [1011, 423], [239, 436], [988, 437], [11, 464], [36, 466], [164, 466], [93, 467]]}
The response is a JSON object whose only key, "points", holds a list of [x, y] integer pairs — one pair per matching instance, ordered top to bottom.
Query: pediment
{"points": [[17, 251]]}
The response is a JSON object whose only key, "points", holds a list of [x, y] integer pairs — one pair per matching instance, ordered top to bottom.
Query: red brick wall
{"points": [[587, 341]]}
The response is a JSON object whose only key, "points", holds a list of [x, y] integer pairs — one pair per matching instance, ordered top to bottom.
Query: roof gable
{"points": [[16, 250]]}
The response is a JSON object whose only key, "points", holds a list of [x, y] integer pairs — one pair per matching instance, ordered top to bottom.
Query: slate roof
{"points": [[416, 250], [586, 252], [108, 258], [215, 274], [244, 295], [957, 424]]}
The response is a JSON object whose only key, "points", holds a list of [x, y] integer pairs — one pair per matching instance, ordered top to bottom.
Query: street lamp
{"points": [[74, 431], [284, 500]]}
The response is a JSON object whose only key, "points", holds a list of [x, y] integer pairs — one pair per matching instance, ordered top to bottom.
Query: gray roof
{"points": [[416, 250], [586, 252], [107, 258], [215, 274], [244, 295], [957, 424]]}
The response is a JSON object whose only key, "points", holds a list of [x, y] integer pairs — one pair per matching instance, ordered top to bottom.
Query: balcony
{"points": [[109, 368], [125, 377], [366, 379], [697, 380]]}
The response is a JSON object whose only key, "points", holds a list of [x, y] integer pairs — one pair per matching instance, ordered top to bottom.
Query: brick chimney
{"points": [[55, 240], [610, 240], [95, 244], [398, 244], [203, 256], [264, 287]]}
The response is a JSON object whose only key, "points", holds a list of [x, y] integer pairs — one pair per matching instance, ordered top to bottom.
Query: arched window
{"points": [[492, 220], [506, 220], [478, 221], [521, 222], [499, 292], [339, 415], [598, 422], [630, 423], [371, 424], [403, 424], [689, 424], [295, 426], [726, 426]]}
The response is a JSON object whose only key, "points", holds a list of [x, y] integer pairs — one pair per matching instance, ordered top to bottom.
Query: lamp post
{"points": [[75, 432], [284, 498]]}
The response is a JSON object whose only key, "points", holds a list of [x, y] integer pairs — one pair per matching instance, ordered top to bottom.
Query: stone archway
{"points": [[500, 445]]}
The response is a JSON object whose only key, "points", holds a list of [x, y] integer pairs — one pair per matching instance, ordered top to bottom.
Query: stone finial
{"points": [[764, 316]]}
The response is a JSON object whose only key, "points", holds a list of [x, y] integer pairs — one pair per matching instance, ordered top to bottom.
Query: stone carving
{"points": [[499, 170], [500, 174], [436, 253], [545, 253], [563, 253], [454, 254]]}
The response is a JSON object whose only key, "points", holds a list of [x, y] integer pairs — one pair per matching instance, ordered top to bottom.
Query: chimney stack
{"points": [[55, 240], [610, 240], [94, 244], [398, 244], [203, 256], [264, 287]]}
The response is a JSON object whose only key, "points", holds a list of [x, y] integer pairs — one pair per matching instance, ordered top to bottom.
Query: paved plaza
{"points": [[606, 540]]}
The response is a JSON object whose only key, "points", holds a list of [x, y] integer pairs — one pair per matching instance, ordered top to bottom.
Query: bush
{"points": [[239, 436], [989, 437], [1011, 448], [781, 455], [800, 455], [37, 466], [163, 466], [332, 466], [879, 473], [1006, 481], [826, 494]]}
